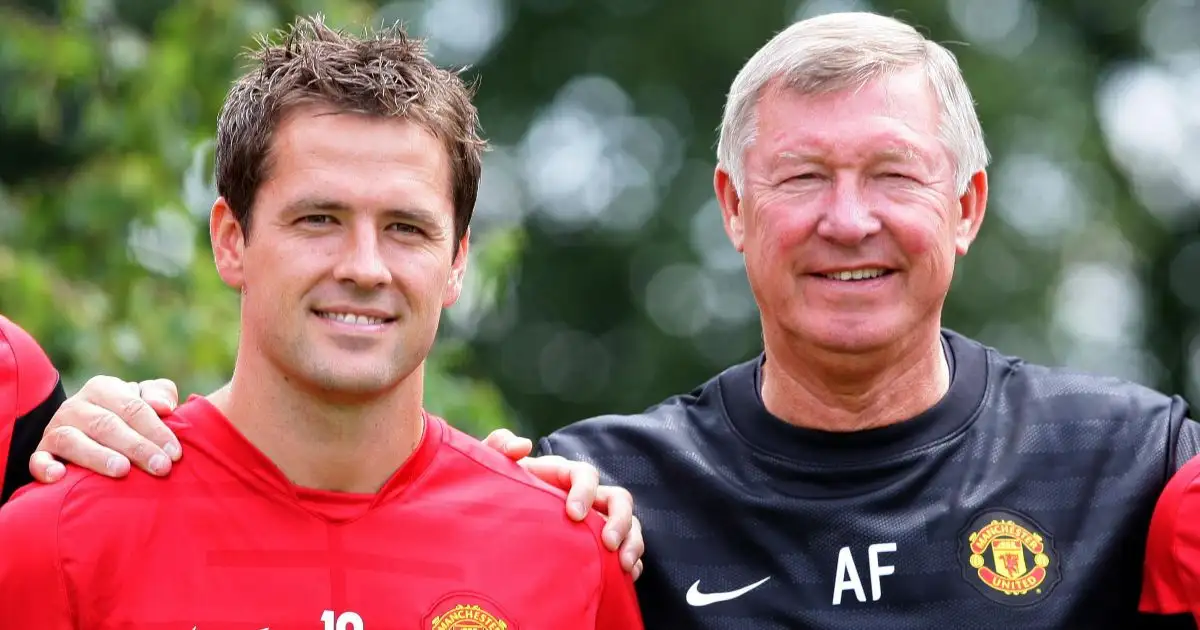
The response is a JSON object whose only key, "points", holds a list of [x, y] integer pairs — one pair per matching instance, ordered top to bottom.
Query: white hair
{"points": [[839, 51]]}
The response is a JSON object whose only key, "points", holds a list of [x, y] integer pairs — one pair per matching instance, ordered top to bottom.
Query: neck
{"points": [[834, 391], [320, 440]]}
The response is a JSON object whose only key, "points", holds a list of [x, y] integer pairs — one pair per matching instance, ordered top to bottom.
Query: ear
{"points": [[972, 206], [731, 207], [228, 243], [458, 269]]}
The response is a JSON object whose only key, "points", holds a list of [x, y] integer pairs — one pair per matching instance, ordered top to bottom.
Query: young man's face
{"points": [[350, 258]]}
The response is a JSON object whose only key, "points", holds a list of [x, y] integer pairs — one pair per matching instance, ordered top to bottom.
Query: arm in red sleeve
{"points": [[30, 393]]}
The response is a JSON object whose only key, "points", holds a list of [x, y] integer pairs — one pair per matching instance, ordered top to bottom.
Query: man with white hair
{"points": [[871, 469]]}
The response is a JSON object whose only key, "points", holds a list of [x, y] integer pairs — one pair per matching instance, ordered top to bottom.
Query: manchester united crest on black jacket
{"points": [[1021, 500]]}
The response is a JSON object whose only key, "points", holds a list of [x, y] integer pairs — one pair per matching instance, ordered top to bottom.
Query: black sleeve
{"points": [[27, 432], [1187, 444]]}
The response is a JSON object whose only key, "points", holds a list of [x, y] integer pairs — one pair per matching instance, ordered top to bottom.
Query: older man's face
{"points": [[849, 219]]}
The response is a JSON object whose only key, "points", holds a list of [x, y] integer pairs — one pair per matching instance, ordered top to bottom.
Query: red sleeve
{"points": [[25, 366], [28, 381], [1169, 584], [33, 591], [618, 609]]}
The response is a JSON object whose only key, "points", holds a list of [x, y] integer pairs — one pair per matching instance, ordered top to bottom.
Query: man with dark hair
{"points": [[317, 489]]}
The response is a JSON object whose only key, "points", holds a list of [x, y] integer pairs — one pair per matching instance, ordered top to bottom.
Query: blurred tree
{"points": [[106, 112], [601, 279], [611, 314]]}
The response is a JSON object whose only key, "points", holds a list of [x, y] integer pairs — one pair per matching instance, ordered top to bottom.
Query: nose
{"points": [[848, 218], [361, 262]]}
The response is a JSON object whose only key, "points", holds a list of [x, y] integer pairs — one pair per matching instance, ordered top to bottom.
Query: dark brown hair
{"points": [[384, 73]]}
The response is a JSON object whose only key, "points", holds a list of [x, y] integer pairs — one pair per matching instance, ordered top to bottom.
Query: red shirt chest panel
{"points": [[210, 556]]}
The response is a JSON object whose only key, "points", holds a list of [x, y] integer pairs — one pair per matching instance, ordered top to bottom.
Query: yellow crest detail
{"points": [[1007, 544], [468, 617]]}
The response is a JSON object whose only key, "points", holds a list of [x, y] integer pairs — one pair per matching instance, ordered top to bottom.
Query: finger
{"points": [[161, 394], [119, 419], [95, 426], [497, 439], [69, 443], [509, 443], [518, 448], [45, 468], [552, 469], [578, 479], [585, 479], [617, 504], [633, 548], [637, 570]]}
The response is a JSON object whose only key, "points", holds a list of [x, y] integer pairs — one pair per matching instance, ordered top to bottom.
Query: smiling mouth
{"points": [[856, 274], [353, 319]]}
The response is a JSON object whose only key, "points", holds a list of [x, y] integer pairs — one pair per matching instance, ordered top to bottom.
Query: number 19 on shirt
{"points": [[344, 621]]}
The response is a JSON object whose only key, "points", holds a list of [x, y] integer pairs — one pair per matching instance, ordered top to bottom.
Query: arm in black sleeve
{"points": [[30, 392], [27, 432]]}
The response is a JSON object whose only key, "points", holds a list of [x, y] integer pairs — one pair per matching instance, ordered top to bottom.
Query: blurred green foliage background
{"points": [[601, 279]]}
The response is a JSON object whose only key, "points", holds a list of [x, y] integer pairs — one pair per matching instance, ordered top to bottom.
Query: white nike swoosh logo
{"points": [[696, 598]]}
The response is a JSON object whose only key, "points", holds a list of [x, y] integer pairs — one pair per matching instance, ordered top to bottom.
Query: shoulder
{"points": [[19, 341], [25, 365], [1019, 385], [665, 425], [1138, 434], [638, 451], [496, 479], [483, 481], [1180, 497], [82, 498], [85, 501], [87, 516], [30, 521], [1172, 552], [33, 561]]}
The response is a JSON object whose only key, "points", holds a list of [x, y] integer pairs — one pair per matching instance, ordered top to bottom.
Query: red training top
{"points": [[29, 396], [458, 538], [1171, 582]]}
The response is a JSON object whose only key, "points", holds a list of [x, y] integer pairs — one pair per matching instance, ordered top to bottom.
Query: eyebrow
{"points": [[896, 152], [901, 152], [796, 156], [310, 204]]}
